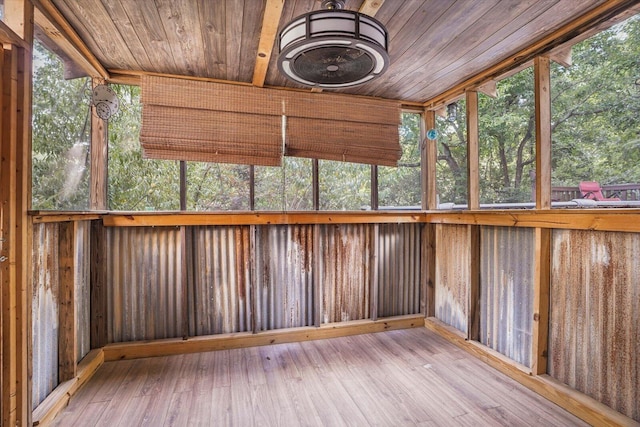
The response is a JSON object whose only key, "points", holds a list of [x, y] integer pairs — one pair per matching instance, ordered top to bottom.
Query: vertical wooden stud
{"points": [[542, 89], [98, 155], [429, 157], [473, 162], [315, 183], [374, 188], [8, 265], [98, 277], [317, 281], [375, 282], [541, 289], [473, 312], [67, 331]]}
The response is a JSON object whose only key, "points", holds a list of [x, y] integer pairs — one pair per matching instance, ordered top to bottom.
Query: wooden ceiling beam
{"points": [[371, 7], [49, 18], [600, 18], [270, 23], [7, 35]]}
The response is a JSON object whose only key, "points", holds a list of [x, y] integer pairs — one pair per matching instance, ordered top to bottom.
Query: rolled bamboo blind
{"points": [[214, 122]]}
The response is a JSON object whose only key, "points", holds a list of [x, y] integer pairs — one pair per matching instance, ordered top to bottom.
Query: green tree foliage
{"points": [[61, 129], [451, 169], [135, 183], [401, 186]]}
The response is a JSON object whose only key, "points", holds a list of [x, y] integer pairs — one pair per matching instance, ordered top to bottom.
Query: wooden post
{"points": [[542, 89], [429, 157], [99, 159], [473, 162], [315, 183], [374, 188], [15, 200], [429, 256], [541, 290], [473, 311], [99, 315], [67, 331]]}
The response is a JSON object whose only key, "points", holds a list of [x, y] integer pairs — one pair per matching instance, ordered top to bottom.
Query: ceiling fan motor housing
{"points": [[333, 49]]}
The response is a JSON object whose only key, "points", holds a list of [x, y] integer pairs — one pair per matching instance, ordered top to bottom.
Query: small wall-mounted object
{"points": [[105, 100]]}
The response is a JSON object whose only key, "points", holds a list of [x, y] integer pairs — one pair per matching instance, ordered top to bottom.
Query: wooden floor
{"points": [[407, 377]]}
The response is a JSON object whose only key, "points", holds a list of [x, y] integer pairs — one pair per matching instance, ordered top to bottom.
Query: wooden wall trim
{"points": [[98, 285], [135, 350], [59, 398], [579, 404]]}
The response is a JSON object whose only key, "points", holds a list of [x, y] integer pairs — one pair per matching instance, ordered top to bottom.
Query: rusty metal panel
{"points": [[453, 258], [345, 260], [398, 263], [284, 276], [220, 280], [82, 285], [506, 290], [145, 297], [44, 308], [594, 331]]}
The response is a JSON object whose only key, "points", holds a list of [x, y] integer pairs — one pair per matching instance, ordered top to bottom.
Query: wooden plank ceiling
{"points": [[434, 44]]}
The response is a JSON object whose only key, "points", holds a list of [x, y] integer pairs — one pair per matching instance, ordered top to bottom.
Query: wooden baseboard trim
{"points": [[135, 350], [59, 397], [579, 404]]}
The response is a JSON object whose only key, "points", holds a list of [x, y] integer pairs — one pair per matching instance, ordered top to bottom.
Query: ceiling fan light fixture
{"points": [[333, 48]]}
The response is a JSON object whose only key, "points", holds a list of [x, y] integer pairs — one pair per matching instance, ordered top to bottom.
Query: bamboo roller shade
{"points": [[215, 122]]}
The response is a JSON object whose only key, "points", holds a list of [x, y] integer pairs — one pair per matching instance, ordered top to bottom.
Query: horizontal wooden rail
{"points": [[254, 218], [584, 219], [613, 219], [166, 347], [59, 398]]}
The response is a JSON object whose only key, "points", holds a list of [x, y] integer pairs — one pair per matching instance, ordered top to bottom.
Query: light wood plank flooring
{"points": [[407, 377]]}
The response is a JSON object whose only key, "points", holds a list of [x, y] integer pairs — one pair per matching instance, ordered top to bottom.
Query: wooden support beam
{"points": [[371, 7], [270, 23], [54, 34], [8, 36], [71, 37], [561, 56], [489, 88], [542, 93], [473, 152], [99, 155], [428, 159], [24, 229], [8, 253], [429, 263], [98, 285], [541, 291], [473, 308], [67, 330]]}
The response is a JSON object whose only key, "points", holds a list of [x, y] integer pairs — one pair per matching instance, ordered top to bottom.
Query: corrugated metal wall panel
{"points": [[453, 259], [345, 271], [284, 276], [399, 278], [220, 280], [82, 283], [506, 290], [145, 293], [44, 310], [594, 336]]}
